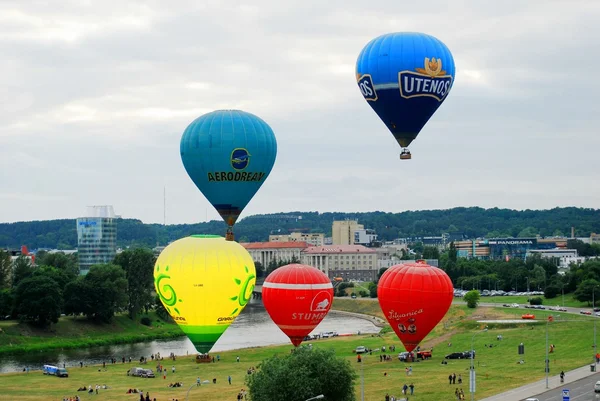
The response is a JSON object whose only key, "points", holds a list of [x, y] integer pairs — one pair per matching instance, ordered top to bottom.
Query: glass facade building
{"points": [[96, 238]]}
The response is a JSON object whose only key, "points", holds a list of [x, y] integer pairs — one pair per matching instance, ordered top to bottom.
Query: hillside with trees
{"points": [[472, 222]]}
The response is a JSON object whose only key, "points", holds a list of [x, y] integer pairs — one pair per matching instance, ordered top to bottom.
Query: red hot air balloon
{"points": [[297, 297], [414, 297]]}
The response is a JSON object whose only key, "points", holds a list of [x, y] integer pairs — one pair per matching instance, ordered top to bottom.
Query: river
{"points": [[252, 328]]}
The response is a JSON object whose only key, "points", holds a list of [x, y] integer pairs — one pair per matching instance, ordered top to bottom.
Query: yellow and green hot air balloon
{"points": [[204, 282]]}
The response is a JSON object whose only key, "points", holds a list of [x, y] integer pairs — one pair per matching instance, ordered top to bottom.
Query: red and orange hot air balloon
{"points": [[297, 297], [414, 297]]}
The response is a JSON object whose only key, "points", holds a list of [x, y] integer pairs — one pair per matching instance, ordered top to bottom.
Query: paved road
{"points": [[579, 381], [580, 390]]}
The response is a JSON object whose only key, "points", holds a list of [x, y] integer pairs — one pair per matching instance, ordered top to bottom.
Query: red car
{"points": [[528, 316]]}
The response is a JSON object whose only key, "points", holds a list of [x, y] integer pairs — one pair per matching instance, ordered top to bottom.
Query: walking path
{"points": [[538, 387]]}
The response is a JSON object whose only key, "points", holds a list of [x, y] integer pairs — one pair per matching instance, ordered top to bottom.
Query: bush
{"points": [[363, 293], [472, 298], [535, 301], [146, 321]]}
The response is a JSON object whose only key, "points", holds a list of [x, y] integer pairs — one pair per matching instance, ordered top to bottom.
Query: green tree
{"points": [[528, 232], [431, 252], [452, 252], [61, 261], [138, 265], [5, 269], [22, 269], [260, 270], [380, 272], [61, 277], [538, 279], [106, 287], [373, 290], [587, 290], [552, 291], [472, 298], [76, 299], [39, 300], [7, 302], [306, 373]]}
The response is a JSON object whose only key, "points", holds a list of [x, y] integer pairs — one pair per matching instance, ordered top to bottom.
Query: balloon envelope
{"points": [[405, 77], [229, 155], [204, 282], [297, 297], [414, 297]]}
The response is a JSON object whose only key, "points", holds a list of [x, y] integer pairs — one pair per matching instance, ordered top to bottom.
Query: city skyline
{"points": [[97, 97]]}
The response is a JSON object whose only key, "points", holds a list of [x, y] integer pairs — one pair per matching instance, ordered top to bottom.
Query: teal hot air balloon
{"points": [[229, 155]]}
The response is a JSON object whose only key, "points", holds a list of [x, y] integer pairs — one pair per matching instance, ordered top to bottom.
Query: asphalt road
{"points": [[581, 390]]}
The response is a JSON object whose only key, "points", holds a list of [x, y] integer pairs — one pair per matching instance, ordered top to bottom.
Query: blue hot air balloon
{"points": [[405, 77], [229, 155]]}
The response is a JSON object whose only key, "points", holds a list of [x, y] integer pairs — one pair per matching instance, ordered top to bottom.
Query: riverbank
{"points": [[77, 332]]}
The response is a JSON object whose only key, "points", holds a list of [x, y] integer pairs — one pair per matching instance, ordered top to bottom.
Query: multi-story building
{"points": [[342, 232], [364, 236], [96, 237], [313, 239], [506, 248], [265, 252], [563, 257], [351, 262]]}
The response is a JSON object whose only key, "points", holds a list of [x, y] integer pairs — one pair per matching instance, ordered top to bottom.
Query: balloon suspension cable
{"points": [[405, 154], [229, 235]]}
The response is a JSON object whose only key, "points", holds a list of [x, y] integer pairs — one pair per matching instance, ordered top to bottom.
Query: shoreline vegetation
{"points": [[71, 333]]}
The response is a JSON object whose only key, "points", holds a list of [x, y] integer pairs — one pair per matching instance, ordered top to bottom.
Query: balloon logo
{"points": [[405, 77], [228, 154], [204, 282], [297, 297], [414, 297]]}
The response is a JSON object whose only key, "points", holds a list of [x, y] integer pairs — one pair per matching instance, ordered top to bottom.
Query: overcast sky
{"points": [[94, 97]]}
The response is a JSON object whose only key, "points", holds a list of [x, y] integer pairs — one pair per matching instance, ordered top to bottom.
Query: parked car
{"points": [[528, 316], [360, 350], [424, 354], [456, 355], [406, 356], [55, 371], [135, 371], [148, 373], [597, 387]]}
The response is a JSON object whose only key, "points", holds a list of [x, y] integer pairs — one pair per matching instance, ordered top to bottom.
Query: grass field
{"points": [[497, 367]]}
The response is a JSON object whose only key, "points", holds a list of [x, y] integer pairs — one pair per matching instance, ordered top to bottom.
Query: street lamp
{"points": [[593, 312], [472, 371], [319, 397]]}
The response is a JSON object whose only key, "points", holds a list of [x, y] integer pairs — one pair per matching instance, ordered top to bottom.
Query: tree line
{"points": [[471, 222], [40, 294]]}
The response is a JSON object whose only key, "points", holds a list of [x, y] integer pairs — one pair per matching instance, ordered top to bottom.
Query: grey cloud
{"points": [[95, 115]]}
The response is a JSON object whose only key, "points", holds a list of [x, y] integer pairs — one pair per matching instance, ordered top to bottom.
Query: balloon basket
{"points": [[405, 155], [229, 236]]}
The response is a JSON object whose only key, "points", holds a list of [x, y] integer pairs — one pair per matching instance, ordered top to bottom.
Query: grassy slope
{"points": [[72, 332], [497, 366]]}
